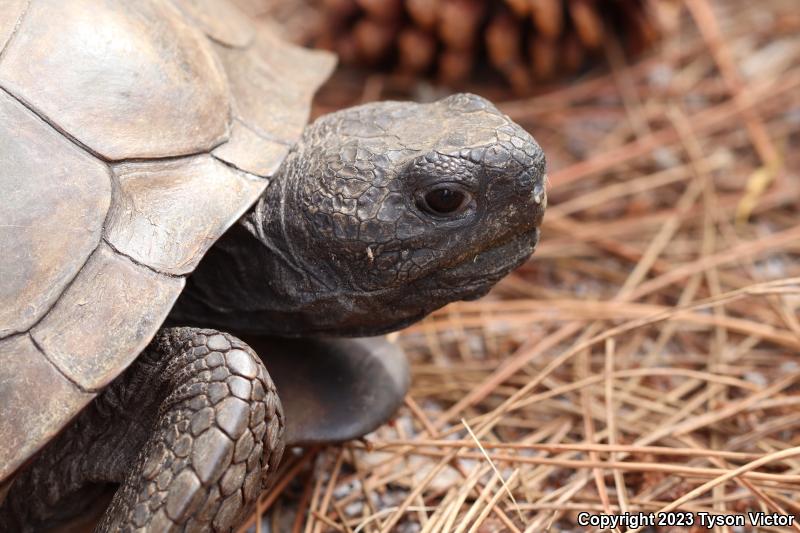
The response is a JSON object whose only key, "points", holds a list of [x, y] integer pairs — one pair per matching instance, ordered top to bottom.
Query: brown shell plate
{"points": [[132, 135]]}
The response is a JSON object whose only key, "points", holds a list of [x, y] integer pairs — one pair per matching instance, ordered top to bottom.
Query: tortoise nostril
{"points": [[525, 181], [530, 184], [538, 194], [539, 199]]}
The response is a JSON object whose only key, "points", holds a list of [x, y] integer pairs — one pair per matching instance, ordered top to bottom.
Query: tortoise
{"points": [[172, 227]]}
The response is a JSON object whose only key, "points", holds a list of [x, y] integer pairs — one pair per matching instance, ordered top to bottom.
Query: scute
{"points": [[10, 14], [221, 20], [127, 79], [270, 81], [251, 152], [52, 215], [155, 221], [105, 318], [35, 401]]}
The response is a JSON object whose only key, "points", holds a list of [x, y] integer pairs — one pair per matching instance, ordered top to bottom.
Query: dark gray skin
{"points": [[381, 214], [345, 241]]}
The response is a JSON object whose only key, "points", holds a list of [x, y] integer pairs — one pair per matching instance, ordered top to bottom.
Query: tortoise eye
{"points": [[444, 201]]}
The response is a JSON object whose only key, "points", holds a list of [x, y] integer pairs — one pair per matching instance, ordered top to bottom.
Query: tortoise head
{"points": [[385, 212]]}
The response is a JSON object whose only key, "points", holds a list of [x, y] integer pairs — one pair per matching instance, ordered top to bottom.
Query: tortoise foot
{"points": [[334, 389], [218, 432], [187, 434]]}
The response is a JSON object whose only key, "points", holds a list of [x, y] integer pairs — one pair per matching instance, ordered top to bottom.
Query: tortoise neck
{"points": [[255, 278], [237, 287]]}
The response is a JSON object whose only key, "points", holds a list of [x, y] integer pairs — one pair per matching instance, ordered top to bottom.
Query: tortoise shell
{"points": [[132, 135]]}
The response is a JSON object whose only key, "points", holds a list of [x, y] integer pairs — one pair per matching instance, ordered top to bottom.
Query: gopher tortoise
{"points": [[161, 192]]}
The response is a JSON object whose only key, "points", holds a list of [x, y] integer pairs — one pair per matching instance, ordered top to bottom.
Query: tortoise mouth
{"points": [[473, 278], [470, 279]]}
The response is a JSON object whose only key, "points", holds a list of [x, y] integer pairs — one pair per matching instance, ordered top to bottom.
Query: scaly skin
{"points": [[341, 242], [190, 431]]}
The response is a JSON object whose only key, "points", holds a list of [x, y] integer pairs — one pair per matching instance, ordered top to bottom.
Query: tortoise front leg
{"points": [[188, 431], [216, 434]]}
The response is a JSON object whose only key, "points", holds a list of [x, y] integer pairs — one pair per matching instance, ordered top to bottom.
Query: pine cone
{"points": [[453, 41]]}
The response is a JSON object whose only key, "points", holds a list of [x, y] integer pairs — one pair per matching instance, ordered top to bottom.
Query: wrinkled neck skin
{"points": [[345, 240], [255, 280]]}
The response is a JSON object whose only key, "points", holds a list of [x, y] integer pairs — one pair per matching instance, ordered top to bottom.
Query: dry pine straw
{"points": [[647, 358]]}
